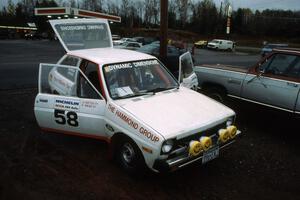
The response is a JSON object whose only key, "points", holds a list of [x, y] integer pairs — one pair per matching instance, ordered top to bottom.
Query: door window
{"points": [[70, 60], [281, 64], [186, 66], [65, 81]]}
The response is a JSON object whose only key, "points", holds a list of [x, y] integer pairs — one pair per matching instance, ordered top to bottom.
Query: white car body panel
{"points": [[191, 81], [174, 113]]}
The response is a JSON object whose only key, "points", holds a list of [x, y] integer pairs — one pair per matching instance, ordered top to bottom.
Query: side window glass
{"points": [[70, 60], [281, 64], [294, 71], [91, 72], [60, 80], [65, 81], [85, 90]]}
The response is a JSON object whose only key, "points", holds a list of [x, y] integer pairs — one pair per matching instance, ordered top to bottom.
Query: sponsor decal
{"points": [[81, 27], [145, 63], [109, 68], [44, 100], [66, 104], [89, 104], [133, 124]]}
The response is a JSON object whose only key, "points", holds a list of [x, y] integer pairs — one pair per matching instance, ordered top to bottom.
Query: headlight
{"points": [[229, 122], [167, 146]]}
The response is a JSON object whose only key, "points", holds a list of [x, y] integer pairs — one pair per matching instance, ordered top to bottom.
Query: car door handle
{"points": [[292, 84]]}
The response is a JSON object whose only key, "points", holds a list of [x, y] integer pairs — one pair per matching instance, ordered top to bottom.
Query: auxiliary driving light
{"points": [[232, 131], [224, 135], [206, 142], [195, 148]]}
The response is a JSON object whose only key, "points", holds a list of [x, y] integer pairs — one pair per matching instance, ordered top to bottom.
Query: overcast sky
{"points": [[252, 4], [264, 4]]}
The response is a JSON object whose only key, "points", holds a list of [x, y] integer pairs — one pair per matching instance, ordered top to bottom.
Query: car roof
{"points": [[287, 50], [110, 55]]}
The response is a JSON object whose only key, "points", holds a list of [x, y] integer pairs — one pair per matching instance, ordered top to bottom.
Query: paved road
{"points": [[19, 60], [245, 60]]}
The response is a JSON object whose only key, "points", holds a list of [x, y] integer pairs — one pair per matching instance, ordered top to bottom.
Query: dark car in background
{"points": [[36, 35], [268, 48], [173, 54]]}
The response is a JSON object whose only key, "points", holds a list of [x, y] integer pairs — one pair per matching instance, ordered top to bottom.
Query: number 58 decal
{"points": [[63, 117]]}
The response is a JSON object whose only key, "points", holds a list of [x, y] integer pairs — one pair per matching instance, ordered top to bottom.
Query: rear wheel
{"points": [[129, 155]]}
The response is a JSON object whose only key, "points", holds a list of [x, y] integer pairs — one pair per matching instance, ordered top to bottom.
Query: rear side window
{"points": [[70, 60]]}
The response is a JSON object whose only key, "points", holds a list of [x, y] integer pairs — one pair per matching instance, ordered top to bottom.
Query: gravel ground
{"points": [[264, 164]]}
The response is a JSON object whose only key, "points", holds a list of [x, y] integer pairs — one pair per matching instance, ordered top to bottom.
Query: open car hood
{"points": [[78, 34]]}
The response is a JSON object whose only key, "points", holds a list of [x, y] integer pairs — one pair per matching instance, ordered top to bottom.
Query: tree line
{"points": [[202, 17]]}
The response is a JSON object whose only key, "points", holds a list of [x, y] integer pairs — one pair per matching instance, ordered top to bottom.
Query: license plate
{"points": [[210, 154]]}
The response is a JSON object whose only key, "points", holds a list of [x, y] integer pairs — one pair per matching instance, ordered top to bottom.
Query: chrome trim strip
{"points": [[221, 70], [274, 79], [268, 105]]}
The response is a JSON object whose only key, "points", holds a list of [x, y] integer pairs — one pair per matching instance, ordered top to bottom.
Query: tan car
{"points": [[201, 44]]}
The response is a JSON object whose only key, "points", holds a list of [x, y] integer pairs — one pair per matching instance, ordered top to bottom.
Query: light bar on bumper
{"points": [[186, 151]]}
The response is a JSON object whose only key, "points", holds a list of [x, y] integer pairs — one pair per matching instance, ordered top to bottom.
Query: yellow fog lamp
{"points": [[232, 131], [224, 135], [206, 142], [195, 148]]}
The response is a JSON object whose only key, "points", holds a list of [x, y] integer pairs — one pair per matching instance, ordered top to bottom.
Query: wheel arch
{"points": [[209, 87], [115, 139]]}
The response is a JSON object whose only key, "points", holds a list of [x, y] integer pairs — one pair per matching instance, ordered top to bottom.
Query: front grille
{"points": [[212, 132], [184, 142]]}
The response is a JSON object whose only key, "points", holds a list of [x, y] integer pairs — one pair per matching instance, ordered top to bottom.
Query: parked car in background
{"points": [[36, 35], [115, 37], [121, 41], [201, 44], [218, 44], [129, 45], [268, 48], [173, 55], [274, 81]]}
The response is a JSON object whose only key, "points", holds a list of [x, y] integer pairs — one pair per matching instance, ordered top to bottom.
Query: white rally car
{"points": [[130, 100]]}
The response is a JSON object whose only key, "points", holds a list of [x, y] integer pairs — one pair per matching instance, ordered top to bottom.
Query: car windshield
{"points": [[130, 79]]}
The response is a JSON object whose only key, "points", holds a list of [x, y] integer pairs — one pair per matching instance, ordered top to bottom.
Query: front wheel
{"points": [[216, 93], [129, 156]]}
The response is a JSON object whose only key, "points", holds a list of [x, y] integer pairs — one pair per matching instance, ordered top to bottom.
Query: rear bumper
{"points": [[180, 161]]}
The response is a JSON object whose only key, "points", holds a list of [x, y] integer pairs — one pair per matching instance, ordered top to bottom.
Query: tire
{"points": [[216, 93], [129, 156]]}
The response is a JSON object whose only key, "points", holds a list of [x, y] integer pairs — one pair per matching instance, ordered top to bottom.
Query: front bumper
{"points": [[183, 158]]}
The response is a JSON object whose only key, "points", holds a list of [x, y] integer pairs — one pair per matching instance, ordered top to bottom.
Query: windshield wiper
{"points": [[159, 89], [136, 94]]}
